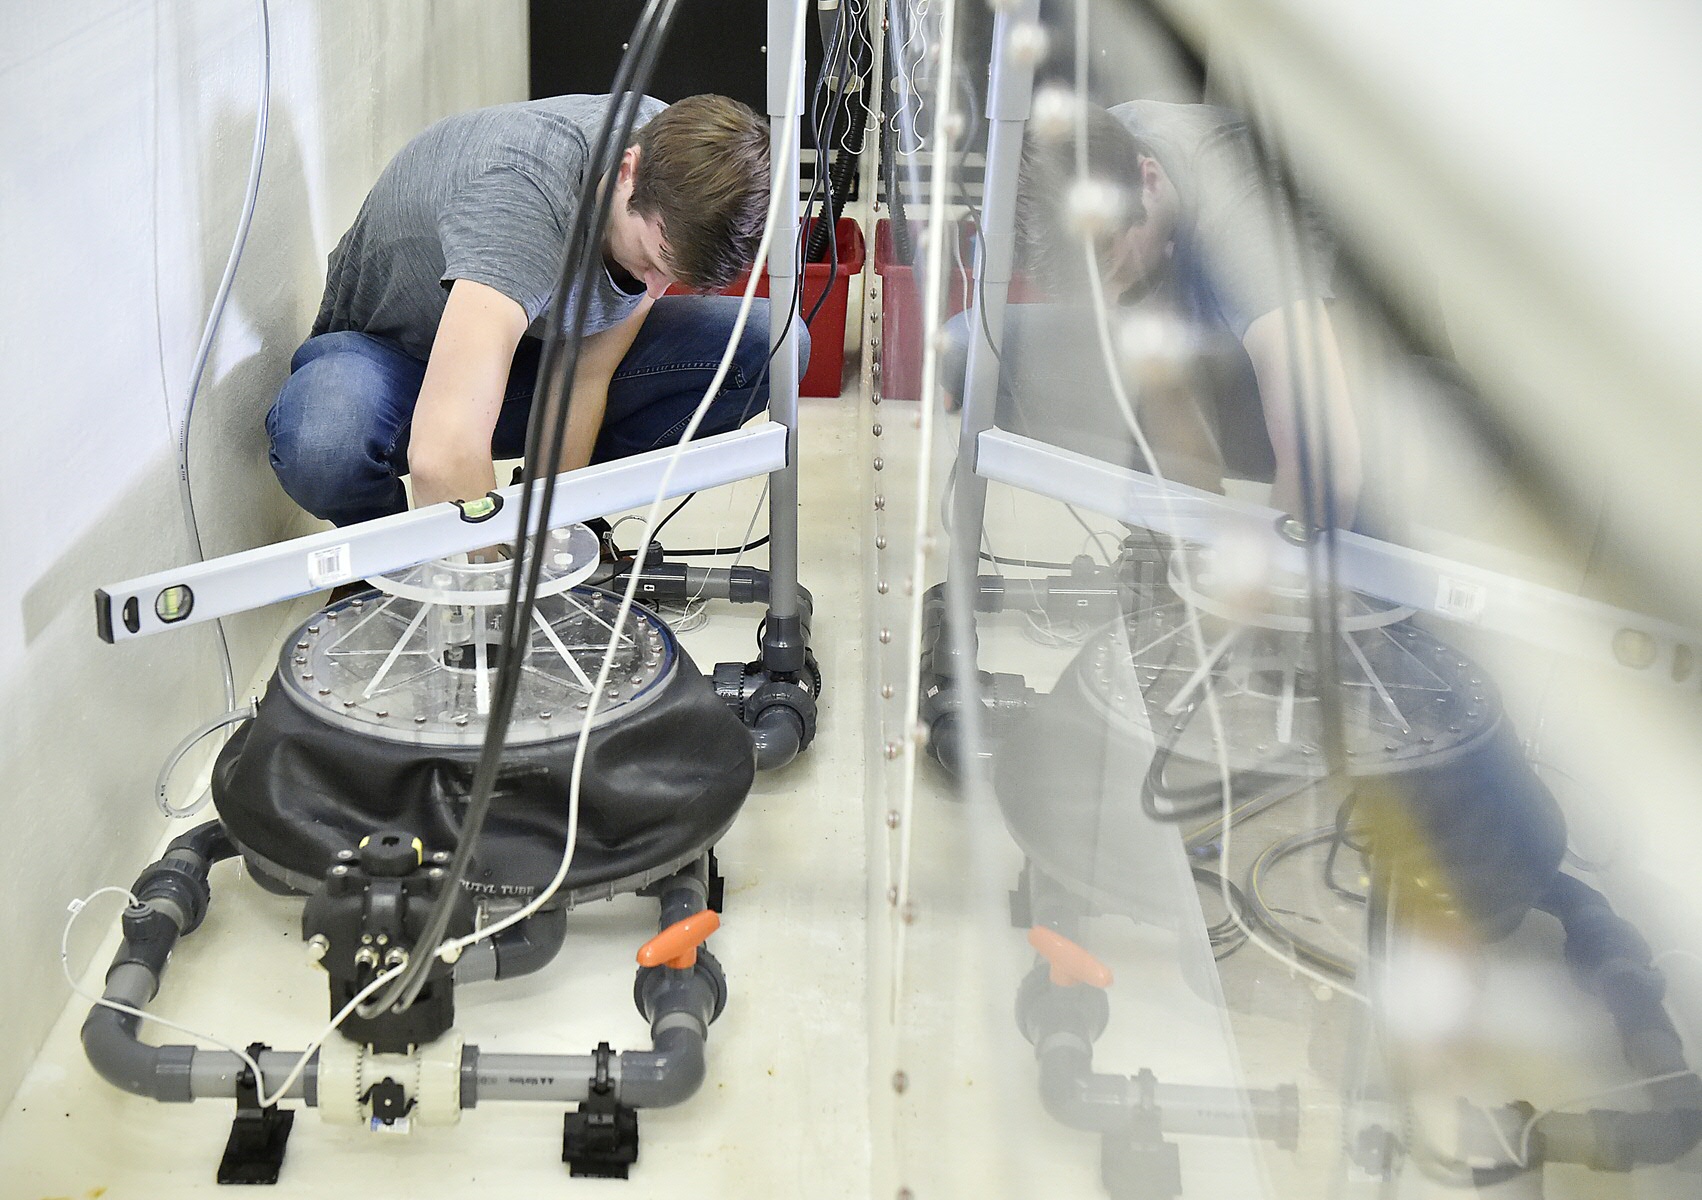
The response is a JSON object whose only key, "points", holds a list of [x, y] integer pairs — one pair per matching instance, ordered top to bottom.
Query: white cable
{"points": [[903, 82], [867, 98], [933, 309], [215, 317], [1102, 326], [209, 330], [695, 614], [1044, 632], [161, 794], [76, 907], [451, 948], [1523, 1158]]}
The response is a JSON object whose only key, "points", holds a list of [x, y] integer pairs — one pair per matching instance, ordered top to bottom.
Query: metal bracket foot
{"points": [[600, 1138], [254, 1152]]}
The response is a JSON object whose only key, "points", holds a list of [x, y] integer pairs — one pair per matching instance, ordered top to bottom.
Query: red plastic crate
{"points": [[901, 308], [901, 317], [827, 331]]}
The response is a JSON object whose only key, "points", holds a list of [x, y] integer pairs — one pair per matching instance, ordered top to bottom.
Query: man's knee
{"points": [[757, 343], [803, 347], [333, 430], [308, 452]]}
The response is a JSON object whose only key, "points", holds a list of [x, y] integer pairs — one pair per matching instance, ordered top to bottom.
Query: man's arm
{"points": [[1267, 340], [600, 355], [449, 450]]}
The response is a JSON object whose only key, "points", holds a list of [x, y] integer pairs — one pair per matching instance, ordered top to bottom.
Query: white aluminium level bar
{"points": [[267, 574], [1535, 614]]}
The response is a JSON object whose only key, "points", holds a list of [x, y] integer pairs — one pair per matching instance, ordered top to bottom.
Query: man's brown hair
{"points": [[1051, 164], [703, 169]]}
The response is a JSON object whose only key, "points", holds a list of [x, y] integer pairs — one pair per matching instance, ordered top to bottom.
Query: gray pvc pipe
{"points": [[783, 374], [777, 737], [112, 1047], [174, 1074], [213, 1074], [668, 1074], [561, 1078], [1077, 1096]]}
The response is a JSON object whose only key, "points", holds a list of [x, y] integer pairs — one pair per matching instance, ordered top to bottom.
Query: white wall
{"points": [[123, 155]]}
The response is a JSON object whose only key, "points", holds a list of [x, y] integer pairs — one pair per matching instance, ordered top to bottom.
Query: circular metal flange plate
{"points": [[368, 664], [1406, 699]]}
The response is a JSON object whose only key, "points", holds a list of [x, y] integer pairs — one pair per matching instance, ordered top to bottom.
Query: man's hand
{"points": [[1306, 325], [449, 451]]}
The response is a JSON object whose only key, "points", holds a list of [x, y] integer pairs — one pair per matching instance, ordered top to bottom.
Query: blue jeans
{"points": [[339, 428]]}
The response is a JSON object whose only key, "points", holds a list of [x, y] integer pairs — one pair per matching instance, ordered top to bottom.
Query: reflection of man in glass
{"points": [[1205, 282]]}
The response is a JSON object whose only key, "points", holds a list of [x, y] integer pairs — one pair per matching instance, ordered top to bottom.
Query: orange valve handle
{"points": [[676, 946], [1069, 962]]}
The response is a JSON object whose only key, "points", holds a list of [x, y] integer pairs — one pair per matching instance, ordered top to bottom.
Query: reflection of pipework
{"points": [[1085, 594], [1609, 959], [1062, 1009]]}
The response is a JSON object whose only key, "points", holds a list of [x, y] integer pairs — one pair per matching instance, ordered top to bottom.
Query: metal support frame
{"points": [[1010, 90], [268, 574], [1534, 614], [782, 644]]}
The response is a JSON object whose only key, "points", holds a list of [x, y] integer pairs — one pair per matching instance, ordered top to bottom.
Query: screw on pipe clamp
{"points": [[482, 509], [1294, 530]]}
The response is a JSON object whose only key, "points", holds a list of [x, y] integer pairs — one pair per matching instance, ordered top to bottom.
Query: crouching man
{"points": [[424, 356]]}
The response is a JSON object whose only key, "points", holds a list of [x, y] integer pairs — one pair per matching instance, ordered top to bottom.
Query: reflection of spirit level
{"points": [[1542, 616]]}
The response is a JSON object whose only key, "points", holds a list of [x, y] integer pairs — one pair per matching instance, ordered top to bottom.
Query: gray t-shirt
{"points": [[486, 195], [1226, 263]]}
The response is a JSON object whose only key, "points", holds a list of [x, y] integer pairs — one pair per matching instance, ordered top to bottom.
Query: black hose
{"points": [[838, 186], [902, 248], [580, 260], [1191, 800], [209, 840], [1266, 918], [1611, 960]]}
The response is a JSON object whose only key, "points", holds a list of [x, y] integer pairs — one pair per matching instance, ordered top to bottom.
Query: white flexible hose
{"points": [[161, 796]]}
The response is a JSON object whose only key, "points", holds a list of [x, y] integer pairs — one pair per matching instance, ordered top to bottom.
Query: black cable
{"points": [[832, 121], [840, 175], [974, 212], [902, 248], [582, 257], [672, 513], [1208, 796], [1341, 838], [1264, 916], [1229, 934]]}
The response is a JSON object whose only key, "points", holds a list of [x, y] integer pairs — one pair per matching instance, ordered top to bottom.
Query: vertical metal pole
{"points": [[874, 83], [1010, 90], [783, 641]]}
